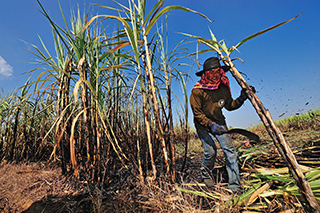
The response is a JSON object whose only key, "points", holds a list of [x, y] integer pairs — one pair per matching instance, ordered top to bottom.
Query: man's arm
{"points": [[237, 103], [233, 104], [197, 108]]}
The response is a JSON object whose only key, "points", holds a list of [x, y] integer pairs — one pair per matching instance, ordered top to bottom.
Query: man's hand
{"points": [[243, 95], [217, 129]]}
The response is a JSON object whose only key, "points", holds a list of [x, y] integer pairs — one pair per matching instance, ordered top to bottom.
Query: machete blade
{"points": [[246, 133]]}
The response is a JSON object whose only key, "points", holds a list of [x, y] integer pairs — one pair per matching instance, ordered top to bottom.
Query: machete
{"points": [[248, 134]]}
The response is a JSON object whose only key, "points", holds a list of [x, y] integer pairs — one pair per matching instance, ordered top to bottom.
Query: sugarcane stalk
{"points": [[155, 105], [86, 116], [170, 117], [170, 121], [147, 122], [15, 129], [62, 130], [278, 139], [98, 148], [139, 162]]}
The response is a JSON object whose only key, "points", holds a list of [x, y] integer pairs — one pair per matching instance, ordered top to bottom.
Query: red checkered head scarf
{"points": [[211, 79]]}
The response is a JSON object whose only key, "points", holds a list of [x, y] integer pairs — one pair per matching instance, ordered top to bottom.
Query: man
{"points": [[208, 97]]}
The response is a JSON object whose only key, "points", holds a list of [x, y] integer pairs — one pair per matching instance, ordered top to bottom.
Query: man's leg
{"points": [[209, 155], [231, 161]]}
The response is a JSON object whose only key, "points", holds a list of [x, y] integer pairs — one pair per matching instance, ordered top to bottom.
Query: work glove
{"points": [[243, 95], [217, 129]]}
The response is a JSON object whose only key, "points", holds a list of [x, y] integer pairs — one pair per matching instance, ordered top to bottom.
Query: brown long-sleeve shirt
{"points": [[207, 105]]}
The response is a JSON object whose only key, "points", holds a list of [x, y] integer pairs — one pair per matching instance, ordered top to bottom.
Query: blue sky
{"points": [[283, 64]]}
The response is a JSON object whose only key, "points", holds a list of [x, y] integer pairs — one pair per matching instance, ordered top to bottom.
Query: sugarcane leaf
{"points": [[121, 5], [111, 8], [141, 8], [155, 8], [167, 9], [64, 19], [53, 24], [128, 30], [264, 31], [200, 38], [213, 38], [209, 44], [214, 45], [119, 47], [224, 47], [202, 51], [39, 78], [183, 86], [313, 175], [199, 193], [256, 193], [245, 196]]}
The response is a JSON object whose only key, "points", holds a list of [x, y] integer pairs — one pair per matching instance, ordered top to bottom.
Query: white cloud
{"points": [[5, 68]]}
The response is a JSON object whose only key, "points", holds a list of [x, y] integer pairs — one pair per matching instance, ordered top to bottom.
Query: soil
{"points": [[24, 185], [33, 187], [36, 187]]}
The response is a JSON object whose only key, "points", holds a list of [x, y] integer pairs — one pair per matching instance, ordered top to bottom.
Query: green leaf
{"points": [[111, 8], [141, 8], [155, 8], [154, 19], [128, 30], [264, 31], [214, 39], [210, 43], [224, 47], [202, 51], [245, 196]]}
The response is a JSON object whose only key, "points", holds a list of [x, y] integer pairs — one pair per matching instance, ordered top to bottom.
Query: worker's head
{"points": [[212, 63]]}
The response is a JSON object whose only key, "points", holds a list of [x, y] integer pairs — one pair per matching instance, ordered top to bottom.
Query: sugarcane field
{"points": [[129, 106]]}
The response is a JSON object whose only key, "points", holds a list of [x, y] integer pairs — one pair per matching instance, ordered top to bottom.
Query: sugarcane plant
{"points": [[137, 27], [77, 77], [94, 90], [282, 146]]}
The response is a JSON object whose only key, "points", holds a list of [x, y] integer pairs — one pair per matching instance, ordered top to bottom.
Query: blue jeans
{"points": [[210, 153]]}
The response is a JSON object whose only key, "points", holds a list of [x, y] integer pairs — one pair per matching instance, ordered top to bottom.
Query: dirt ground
{"points": [[21, 185], [32, 187], [35, 187]]}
